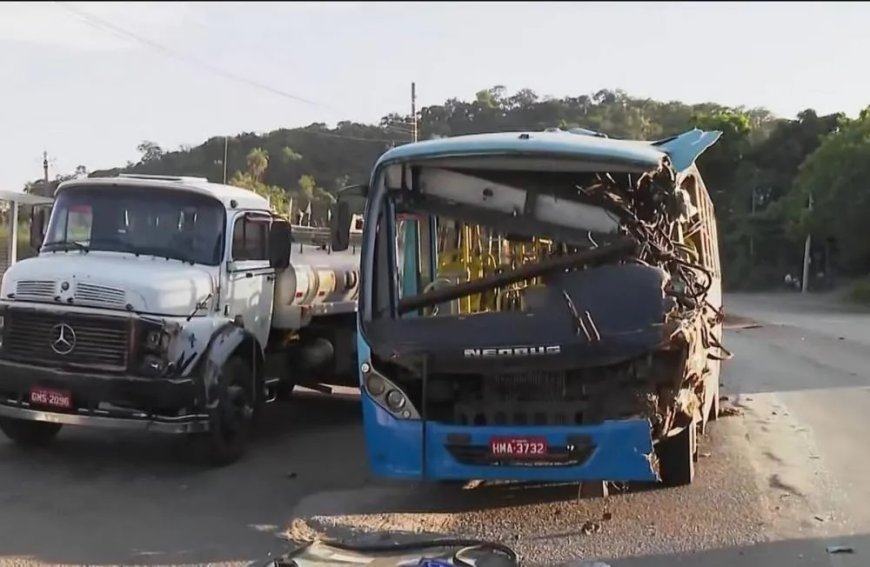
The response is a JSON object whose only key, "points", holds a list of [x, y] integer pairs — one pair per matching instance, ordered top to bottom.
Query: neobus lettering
{"points": [[512, 351]]}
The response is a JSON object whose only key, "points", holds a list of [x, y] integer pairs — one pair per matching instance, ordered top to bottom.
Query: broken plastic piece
{"points": [[839, 549]]}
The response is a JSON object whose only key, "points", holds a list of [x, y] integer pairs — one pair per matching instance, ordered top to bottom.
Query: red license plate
{"points": [[48, 397], [527, 447]]}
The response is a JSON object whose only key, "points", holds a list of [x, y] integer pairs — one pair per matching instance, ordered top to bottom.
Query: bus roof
{"points": [[682, 150]]}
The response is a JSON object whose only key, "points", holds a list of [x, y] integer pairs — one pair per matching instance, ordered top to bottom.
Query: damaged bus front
{"points": [[537, 306]]}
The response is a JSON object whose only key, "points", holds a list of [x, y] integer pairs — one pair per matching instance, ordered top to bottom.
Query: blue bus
{"points": [[537, 306]]}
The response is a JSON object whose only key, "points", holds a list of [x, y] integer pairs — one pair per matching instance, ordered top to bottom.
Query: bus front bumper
{"points": [[405, 449]]}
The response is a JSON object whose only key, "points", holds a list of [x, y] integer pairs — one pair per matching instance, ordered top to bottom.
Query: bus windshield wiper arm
{"points": [[617, 248]]}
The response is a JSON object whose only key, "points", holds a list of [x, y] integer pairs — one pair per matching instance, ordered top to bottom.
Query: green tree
{"points": [[835, 177], [252, 178]]}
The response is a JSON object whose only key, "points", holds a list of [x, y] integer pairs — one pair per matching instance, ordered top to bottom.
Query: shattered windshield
{"points": [[170, 224], [477, 242]]}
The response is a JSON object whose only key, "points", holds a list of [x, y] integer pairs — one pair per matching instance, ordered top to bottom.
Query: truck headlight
{"points": [[152, 339], [156, 339]]}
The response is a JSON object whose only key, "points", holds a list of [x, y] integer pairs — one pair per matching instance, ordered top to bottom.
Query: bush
{"points": [[859, 292]]}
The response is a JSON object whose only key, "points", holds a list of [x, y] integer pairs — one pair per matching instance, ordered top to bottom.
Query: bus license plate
{"points": [[49, 397], [518, 446]]}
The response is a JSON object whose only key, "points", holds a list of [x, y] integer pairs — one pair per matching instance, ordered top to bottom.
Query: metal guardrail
{"points": [[319, 235]]}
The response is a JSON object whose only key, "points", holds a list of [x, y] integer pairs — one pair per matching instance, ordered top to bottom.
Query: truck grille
{"points": [[35, 288], [101, 295], [94, 341]]}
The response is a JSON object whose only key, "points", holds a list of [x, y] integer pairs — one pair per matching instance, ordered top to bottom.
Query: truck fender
{"points": [[202, 350]]}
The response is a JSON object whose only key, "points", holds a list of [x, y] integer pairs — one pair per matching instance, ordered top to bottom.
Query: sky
{"points": [[87, 82]]}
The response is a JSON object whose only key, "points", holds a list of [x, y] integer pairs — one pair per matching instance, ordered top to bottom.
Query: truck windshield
{"points": [[171, 224]]}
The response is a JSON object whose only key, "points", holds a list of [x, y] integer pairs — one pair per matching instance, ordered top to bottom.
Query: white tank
{"points": [[317, 282]]}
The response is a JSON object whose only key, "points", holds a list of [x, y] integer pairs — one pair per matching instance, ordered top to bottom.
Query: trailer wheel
{"points": [[231, 420], [29, 433], [677, 457]]}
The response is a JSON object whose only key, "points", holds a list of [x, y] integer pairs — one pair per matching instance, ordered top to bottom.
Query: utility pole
{"points": [[414, 109], [225, 159], [45, 167], [752, 234], [806, 279]]}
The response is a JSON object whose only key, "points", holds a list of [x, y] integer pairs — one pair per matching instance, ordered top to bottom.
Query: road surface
{"points": [[776, 484]]}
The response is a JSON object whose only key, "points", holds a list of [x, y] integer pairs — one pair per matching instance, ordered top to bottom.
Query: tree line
{"points": [[772, 180]]}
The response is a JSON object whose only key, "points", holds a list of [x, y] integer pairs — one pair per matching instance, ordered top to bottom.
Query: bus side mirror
{"points": [[348, 201], [280, 240]]}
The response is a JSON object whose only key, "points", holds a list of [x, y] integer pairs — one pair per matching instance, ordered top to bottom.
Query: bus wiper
{"points": [[67, 244]]}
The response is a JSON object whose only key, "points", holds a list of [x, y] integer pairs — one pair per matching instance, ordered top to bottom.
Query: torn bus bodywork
{"points": [[573, 333]]}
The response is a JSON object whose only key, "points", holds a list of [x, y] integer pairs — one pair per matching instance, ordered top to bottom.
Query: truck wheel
{"points": [[232, 419], [29, 433], [677, 457]]}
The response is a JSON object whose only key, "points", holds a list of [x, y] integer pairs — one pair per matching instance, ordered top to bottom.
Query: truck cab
{"points": [[166, 304]]}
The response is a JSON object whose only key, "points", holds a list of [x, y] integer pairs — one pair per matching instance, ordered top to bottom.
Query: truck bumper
{"points": [[106, 401], [612, 451]]}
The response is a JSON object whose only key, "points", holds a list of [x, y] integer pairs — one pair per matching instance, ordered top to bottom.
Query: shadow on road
{"points": [[98, 497], [785, 553]]}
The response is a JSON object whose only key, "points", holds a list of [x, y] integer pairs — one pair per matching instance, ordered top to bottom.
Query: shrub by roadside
{"points": [[859, 291]]}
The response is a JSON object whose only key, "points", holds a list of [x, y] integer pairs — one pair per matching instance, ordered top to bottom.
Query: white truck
{"points": [[169, 304]]}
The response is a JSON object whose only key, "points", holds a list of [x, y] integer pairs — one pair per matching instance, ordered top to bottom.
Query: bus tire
{"points": [[231, 421], [29, 433], [676, 456]]}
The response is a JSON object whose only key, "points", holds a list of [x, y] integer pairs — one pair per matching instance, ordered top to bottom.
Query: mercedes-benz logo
{"points": [[63, 339]]}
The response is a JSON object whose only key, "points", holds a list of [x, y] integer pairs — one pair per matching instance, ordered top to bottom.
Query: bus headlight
{"points": [[375, 385], [387, 395], [396, 400]]}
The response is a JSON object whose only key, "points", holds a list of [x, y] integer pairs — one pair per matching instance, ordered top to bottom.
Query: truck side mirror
{"points": [[349, 201], [341, 226], [37, 227], [280, 240]]}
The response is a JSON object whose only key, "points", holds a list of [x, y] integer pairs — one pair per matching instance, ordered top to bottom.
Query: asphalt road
{"points": [[776, 484]]}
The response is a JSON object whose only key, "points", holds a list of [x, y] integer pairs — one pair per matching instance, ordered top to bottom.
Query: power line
{"points": [[105, 25], [178, 55], [389, 127]]}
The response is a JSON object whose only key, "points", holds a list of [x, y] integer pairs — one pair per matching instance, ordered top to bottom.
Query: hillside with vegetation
{"points": [[761, 173]]}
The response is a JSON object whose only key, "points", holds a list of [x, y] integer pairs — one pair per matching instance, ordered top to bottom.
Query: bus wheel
{"points": [[677, 456]]}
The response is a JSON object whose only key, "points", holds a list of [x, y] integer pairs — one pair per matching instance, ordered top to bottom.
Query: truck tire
{"points": [[232, 419], [29, 433], [677, 457]]}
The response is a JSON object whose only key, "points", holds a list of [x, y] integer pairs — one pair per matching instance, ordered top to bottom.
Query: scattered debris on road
{"points": [[729, 411], [590, 527], [840, 549]]}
